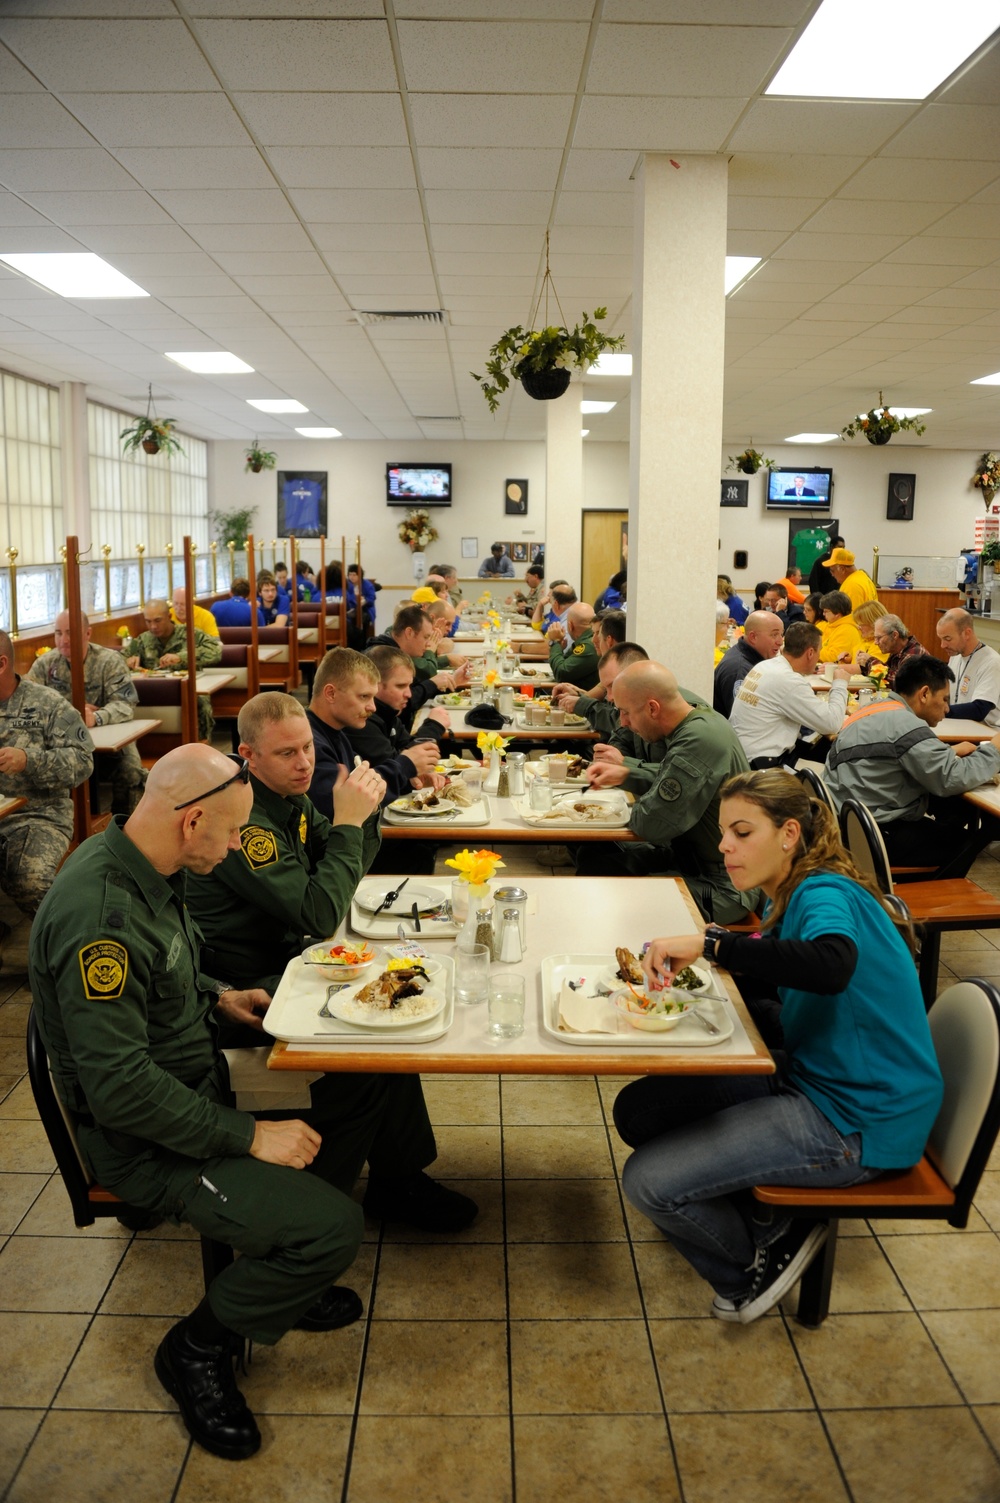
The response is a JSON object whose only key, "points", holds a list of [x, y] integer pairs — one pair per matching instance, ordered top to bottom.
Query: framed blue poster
{"points": [[302, 503]]}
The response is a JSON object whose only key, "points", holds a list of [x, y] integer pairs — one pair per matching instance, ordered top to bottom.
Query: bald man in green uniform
{"points": [[577, 662], [128, 1019]]}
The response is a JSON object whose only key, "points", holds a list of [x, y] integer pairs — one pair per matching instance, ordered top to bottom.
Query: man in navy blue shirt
{"points": [[236, 610]]}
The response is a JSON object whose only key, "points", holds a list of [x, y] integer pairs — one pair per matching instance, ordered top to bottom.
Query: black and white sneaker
{"points": [[776, 1269]]}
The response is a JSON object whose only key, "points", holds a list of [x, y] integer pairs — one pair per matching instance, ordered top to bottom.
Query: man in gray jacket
{"points": [[888, 757]]}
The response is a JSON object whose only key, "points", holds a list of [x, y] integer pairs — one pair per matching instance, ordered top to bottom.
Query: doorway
{"points": [[604, 550]]}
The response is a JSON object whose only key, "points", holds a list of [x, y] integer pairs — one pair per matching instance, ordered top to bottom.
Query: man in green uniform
{"points": [[164, 645], [574, 662], [111, 699], [601, 714], [45, 750], [676, 809], [293, 878], [128, 1020]]}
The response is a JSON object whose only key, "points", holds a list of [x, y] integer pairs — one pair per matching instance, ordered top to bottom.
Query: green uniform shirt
{"points": [[150, 649], [577, 664], [601, 716], [643, 758], [680, 807], [293, 878], [122, 1006]]}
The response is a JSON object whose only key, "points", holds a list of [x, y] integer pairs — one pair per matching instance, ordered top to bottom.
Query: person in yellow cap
{"points": [[854, 582], [424, 595]]}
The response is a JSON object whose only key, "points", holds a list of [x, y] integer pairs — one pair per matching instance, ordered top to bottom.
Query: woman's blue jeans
{"points": [[702, 1141]]}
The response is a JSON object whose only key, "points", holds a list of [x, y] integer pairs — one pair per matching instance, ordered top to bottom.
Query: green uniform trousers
{"points": [[297, 1230]]}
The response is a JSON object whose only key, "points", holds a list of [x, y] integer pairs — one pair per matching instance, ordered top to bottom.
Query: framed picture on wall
{"points": [[735, 493], [515, 498], [899, 501], [302, 503], [809, 541], [470, 547], [536, 552], [518, 553]]}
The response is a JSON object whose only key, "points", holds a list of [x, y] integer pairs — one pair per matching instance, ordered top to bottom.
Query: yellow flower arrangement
{"points": [[484, 598], [493, 617], [123, 632], [502, 644], [41, 651], [490, 677], [492, 741], [475, 867]]}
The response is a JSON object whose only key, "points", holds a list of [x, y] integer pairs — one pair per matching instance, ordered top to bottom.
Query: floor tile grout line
{"points": [[506, 1295], [966, 1402], [817, 1406], [356, 1413], [681, 1493]]}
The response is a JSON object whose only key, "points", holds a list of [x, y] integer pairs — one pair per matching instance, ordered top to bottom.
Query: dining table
{"points": [[955, 730], [516, 731], [11, 806], [492, 819], [573, 926]]}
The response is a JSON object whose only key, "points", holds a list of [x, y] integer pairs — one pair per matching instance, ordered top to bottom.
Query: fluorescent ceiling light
{"points": [[852, 49], [738, 267], [74, 275], [210, 362], [609, 364], [993, 380], [276, 404], [597, 406], [904, 412], [319, 432], [584, 432], [812, 438]]}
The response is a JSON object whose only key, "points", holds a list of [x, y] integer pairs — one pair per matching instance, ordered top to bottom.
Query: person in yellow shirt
{"points": [[854, 582], [865, 617], [203, 620], [841, 638]]}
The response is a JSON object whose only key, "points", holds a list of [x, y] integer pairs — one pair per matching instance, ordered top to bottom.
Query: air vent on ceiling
{"points": [[402, 316], [437, 419]]}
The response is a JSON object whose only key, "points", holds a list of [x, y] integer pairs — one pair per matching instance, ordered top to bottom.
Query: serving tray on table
{"points": [[479, 813], [616, 816], [384, 926], [293, 1015], [688, 1034]]}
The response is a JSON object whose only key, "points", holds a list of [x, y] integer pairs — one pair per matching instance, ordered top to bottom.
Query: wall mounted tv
{"points": [[418, 484], [799, 490]]}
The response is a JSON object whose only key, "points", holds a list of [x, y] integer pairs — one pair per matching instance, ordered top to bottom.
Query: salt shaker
{"points": [[506, 701], [515, 773], [506, 898], [511, 949]]}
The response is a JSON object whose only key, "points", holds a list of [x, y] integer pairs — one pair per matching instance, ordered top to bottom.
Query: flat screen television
{"points": [[418, 484], [799, 489]]}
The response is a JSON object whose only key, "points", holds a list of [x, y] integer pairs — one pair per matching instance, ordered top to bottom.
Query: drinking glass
{"points": [[558, 768], [540, 796], [460, 900], [472, 975], [506, 1006]]}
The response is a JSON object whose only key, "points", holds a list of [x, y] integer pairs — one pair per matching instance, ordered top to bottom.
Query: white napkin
{"points": [[580, 1014]]}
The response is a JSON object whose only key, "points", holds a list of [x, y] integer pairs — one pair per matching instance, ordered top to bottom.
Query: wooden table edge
{"points": [[623, 1062]]}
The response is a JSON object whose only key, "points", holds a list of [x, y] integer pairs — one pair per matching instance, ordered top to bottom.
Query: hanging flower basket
{"points": [[545, 385], [881, 423], [150, 433], [150, 446], [258, 459], [749, 462], [987, 476], [416, 530]]}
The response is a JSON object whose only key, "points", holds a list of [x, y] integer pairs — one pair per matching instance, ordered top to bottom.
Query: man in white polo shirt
{"points": [[975, 694], [775, 701]]}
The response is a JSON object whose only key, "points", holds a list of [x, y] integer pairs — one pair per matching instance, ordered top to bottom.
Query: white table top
{"points": [[268, 654], [207, 680], [965, 730], [463, 732], [112, 738], [987, 797], [505, 824], [581, 915]]}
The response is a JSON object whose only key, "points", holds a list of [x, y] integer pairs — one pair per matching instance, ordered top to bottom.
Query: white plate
{"points": [[404, 806], [615, 815], [369, 898], [348, 1010], [294, 1013], [689, 1034]]}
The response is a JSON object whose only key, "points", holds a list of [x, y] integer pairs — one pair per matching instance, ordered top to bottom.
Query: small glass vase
{"points": [[492, 781], [479, 897]]}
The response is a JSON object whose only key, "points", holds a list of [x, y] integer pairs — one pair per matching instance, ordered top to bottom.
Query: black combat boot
{"points": [[336, 1307], [201, 1379]]}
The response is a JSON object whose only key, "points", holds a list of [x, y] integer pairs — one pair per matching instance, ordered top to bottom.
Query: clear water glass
{"points": [[472, 975], [506, 1007]]}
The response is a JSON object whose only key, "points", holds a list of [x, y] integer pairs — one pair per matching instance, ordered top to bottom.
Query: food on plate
{"points": [[455, 794], [579, 812], [346, 955], [629, 969], [400, 979], [688, 980]]}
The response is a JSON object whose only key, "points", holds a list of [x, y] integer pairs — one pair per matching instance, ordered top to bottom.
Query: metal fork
{"points": [[390, 898]]}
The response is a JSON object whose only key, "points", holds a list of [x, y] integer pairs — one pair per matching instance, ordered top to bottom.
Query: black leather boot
{"points": [[336, 1307], [201, 1379]]}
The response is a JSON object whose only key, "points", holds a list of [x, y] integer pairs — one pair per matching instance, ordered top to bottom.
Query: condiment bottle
{"points": [[515, 773], [510, 897], [484, 930], [511, 949]]}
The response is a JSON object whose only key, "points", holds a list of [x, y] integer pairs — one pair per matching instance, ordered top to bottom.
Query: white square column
{"points": [[676, 413], [564, 487]]}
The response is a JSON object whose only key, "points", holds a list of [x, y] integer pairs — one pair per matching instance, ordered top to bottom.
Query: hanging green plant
{"points": [[881, 423], [155, 435], [259, 459], [749, 462]]}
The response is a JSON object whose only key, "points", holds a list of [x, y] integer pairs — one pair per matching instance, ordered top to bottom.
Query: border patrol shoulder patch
{"points": [[259, 846], [104, 967]]}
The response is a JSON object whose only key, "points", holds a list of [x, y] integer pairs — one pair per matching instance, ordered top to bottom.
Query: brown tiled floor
{"points": [[560, 1348]]}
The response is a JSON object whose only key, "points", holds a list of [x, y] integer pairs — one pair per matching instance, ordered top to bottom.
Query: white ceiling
{"points": [[265, 170]]}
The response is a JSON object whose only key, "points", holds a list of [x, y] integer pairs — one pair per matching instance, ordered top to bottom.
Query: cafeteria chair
{"points": [[813, 782], [935, 907], [965, 1028], [88, 1199]]}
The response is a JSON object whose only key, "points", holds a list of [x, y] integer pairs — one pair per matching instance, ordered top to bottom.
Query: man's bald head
{"points": [[179, 599], [157, 617], [578, 618], [764, 631], [61, 632], [6, 647], [647, 680], [649, 700], [185, 772], [214, 801]]}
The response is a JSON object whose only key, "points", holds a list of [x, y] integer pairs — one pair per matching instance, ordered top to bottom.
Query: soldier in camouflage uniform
{"points": [[164, 645], [111, 699], [45, 750], [676, 808]]}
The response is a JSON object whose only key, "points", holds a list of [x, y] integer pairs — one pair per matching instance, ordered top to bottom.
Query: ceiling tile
{"points": [[138, 55], [293, 55], [536, 57], [683, 60], [326, 119], [159, 120], [533, 121], [655, 123], [819, 125], [955, 132], [203, 167], [329, 167], [443, 167], [57, 169], [909, 178], [269, 205], [357, 206], [131, 207], [486, 207], [605, 208], [14, 211], [770, 213], [865, 216], [231, 238], [406, 239], [930, 251], [271, 263], [387, 263]]}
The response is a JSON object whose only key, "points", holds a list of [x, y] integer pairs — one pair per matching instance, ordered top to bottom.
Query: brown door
{"points": [[601, 550]]}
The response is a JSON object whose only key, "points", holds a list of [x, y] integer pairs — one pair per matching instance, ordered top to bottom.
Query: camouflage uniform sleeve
{"points": [[207, 650], [36, 673], [118, 696], [67, 757]]}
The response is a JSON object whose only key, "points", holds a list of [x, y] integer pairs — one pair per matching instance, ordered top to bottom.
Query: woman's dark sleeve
{"points": [[824, 965]]}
